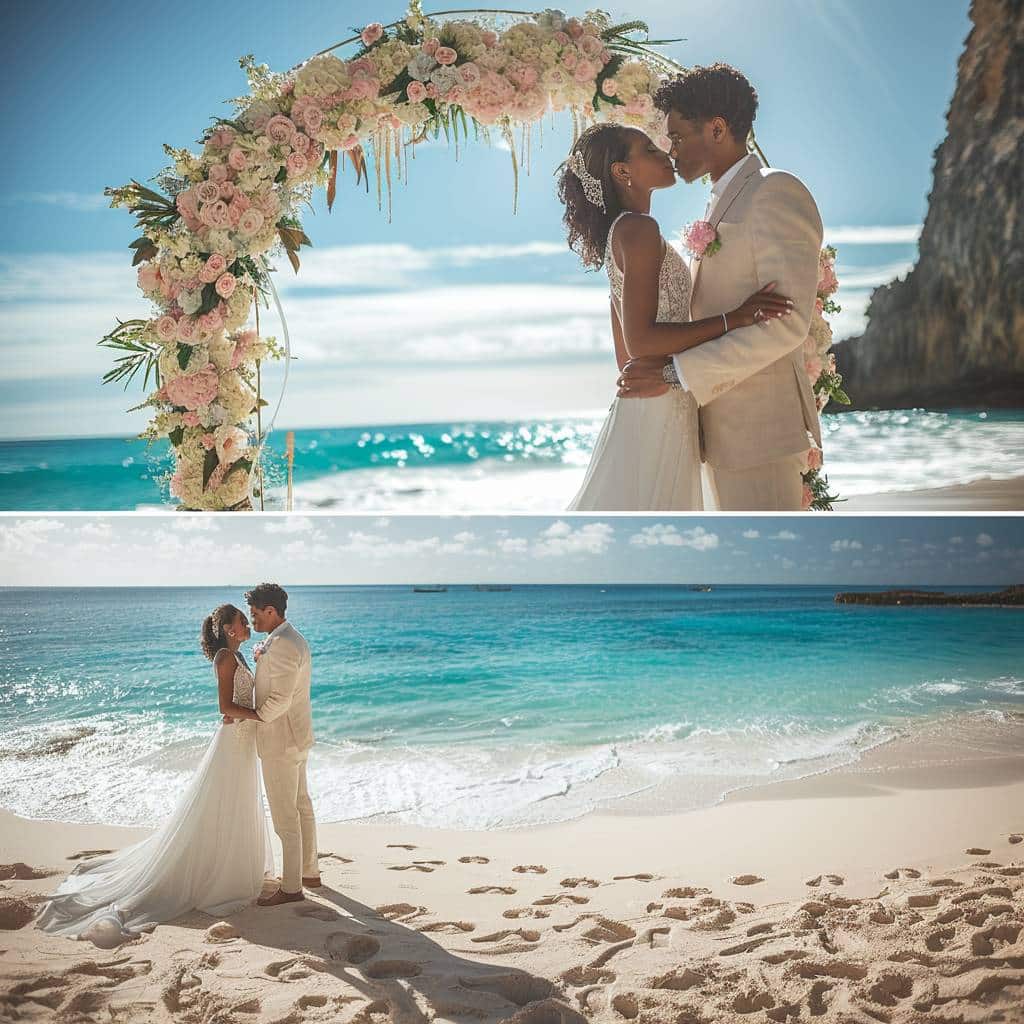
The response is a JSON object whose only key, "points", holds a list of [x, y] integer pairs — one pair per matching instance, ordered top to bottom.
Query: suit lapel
{"points": [[747, 170]]}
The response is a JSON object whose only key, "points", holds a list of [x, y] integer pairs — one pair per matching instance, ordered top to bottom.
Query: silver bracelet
{"points": [[726, 322]]}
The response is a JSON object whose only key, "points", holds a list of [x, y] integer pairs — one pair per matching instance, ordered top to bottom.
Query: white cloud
{"points": [[85, 201], [882, 234], [661, 533], [751, 534], [784, 535], [561, 539], [983, 540], [845, 544]]}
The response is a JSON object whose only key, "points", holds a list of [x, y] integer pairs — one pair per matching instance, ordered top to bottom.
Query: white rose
{"points": [[190, 301]]}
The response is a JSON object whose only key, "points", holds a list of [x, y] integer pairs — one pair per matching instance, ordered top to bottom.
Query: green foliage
{"points": [[138, 353]]}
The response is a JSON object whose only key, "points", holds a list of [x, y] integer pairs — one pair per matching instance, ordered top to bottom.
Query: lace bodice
{"points": [[674, 282], [244, 686]]}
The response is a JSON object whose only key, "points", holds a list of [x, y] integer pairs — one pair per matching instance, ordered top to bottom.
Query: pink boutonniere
{"points": [[701, 239], [260, 649]]}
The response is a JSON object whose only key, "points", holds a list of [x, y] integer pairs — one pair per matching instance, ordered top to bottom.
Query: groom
{"points": [[756, 403], [283, 739]]}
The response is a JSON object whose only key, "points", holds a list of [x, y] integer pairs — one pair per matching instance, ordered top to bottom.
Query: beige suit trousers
{"points": [[776, 486], [291, 811]]}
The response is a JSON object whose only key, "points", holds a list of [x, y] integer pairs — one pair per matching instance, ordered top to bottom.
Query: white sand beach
{"points": [[891, 890]]}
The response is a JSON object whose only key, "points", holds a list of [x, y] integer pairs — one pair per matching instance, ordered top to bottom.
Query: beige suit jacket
{"points": [[756, 403], [282, 694]]}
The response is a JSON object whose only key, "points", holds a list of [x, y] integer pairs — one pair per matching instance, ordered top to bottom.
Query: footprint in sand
{"points": [[1015, 838], [401, 846], [977, 851], [82, 854], [335, 856], [474, 860], [436, 863], [410, 867], [530, 869], [23, 873], [903, 873], [644, 877], [831, 879], [746, 880], [575, 883], [502, 890], [687, 892], [560, 899], [317, 911], [400, 911], [514, 913], [15, 914], [448, 927], [609, 931], [221, 932], [524, 933], [987, 942], [351, 949], [295, 969], [382, 970], [517, 987], [890, 988], [626, 1005]]}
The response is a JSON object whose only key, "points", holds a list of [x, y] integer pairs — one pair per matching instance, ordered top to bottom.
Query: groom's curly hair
{"points": [[718, 90], [587, 225], [268, 595]]}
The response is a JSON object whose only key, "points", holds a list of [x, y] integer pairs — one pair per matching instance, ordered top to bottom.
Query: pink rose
{"points": [[574, 28], [371, 33], [489, 38], [562, 38], [590, 45], [430, 46], [445, 55], [569, 60], [585, 72], [469, 74], [609, 87], [416, 91], [312, 118], [280, 129], [222, 137], [349, 142], [300, 143], [237, 159], [297, 164], [217, 173], [208, 191], [227, 191], [187, 205], [215, 215], [250, 223], [699, 237], [215, 265], [149, 277], [827, 280], [225, 285], [211, 321], [166, 328], [186, 330], [243, 342], [813, 366], [193, 389], [190, 419], [209, 442], [814, 458], [807, 498]]}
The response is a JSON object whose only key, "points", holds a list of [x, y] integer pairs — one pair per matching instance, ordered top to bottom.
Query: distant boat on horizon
{"points": [[430, 588], [701, 588]]}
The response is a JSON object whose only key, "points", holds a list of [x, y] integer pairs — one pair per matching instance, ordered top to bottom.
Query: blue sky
{"points": [[853, 99], [208, 550]]}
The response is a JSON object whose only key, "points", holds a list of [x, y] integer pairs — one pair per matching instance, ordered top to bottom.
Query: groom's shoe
{"points": [[313, 882], [277, 898]]}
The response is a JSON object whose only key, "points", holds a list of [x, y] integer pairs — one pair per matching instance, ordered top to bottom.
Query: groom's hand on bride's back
{"points": [[642, 378]]}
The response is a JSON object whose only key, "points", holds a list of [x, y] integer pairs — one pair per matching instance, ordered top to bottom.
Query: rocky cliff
{"points": [[952, 333]]}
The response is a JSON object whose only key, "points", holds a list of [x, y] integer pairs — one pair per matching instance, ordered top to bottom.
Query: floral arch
{"points": [[215, 218]]}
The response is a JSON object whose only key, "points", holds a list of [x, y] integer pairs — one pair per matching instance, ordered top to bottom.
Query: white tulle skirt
{"points": [[647, 458], [212, 854]]}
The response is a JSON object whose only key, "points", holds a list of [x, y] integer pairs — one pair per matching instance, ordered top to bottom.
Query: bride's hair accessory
{"points": [[591, 185]]}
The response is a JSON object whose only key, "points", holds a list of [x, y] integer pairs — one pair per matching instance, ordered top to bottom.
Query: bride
{"points": [[647, 456], [213, 851]]}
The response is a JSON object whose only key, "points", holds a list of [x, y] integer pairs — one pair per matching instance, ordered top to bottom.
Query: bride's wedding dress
{"points": [[647, 456], [211, 853]]}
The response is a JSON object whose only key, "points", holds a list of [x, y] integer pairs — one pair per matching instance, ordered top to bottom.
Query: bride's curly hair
{"points": [[587, 225], [211, 637]]}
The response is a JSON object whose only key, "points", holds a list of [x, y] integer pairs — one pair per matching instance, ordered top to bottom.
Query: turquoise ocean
{"points": [[489, 709]]}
